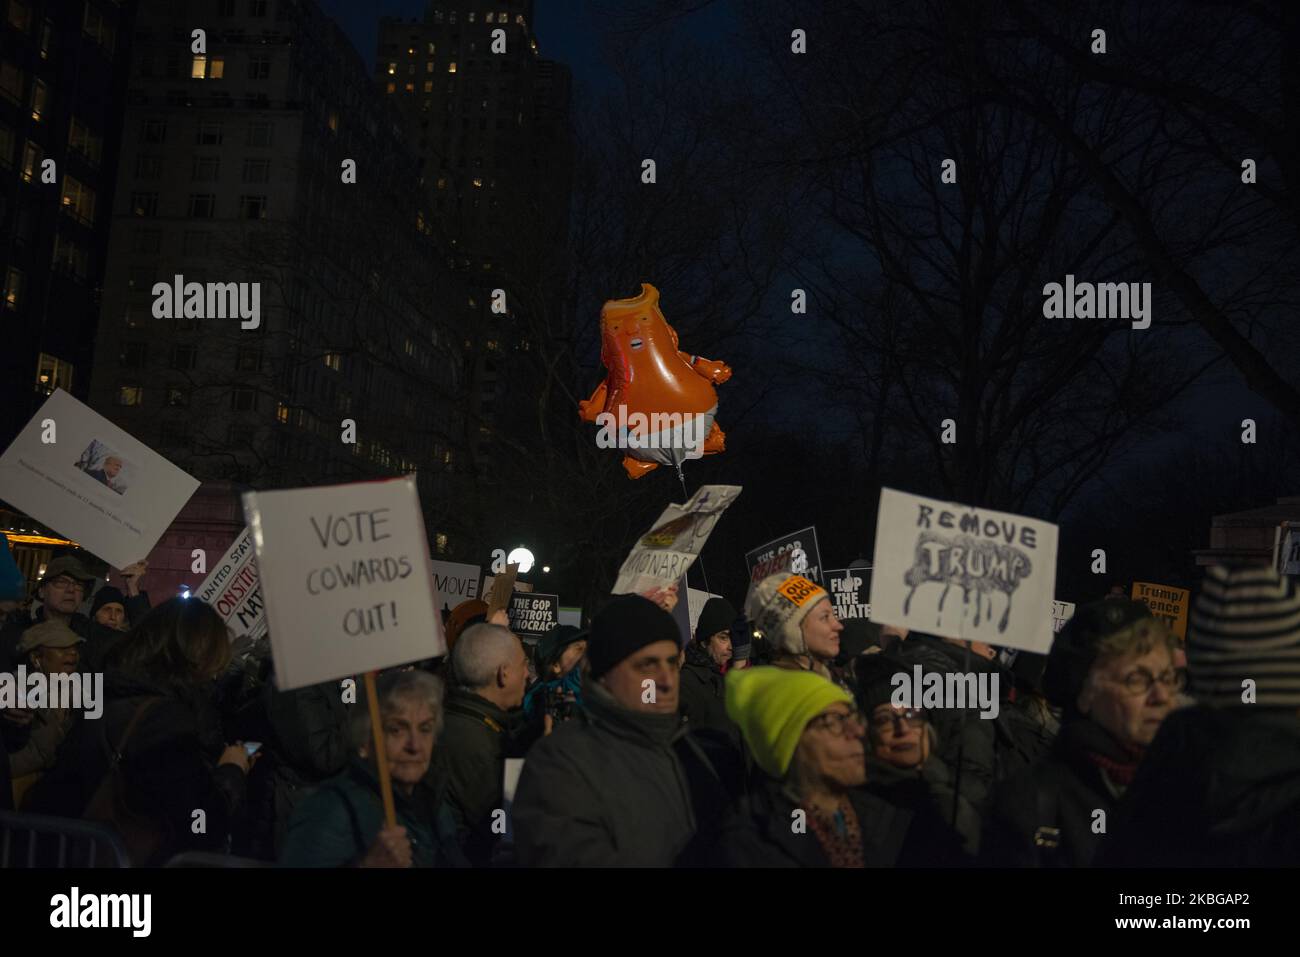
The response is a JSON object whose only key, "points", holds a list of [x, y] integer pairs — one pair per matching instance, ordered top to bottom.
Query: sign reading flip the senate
{"points": [[75, 471], [662, 555], [962, 572], [347, 579], [234, 589], [850, 591]]}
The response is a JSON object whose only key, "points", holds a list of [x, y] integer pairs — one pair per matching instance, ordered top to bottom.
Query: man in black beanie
{"points": [[703, 698], [624, 784]]}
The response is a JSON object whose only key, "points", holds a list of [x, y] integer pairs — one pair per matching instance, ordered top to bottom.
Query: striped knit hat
{"points": [[1245, 624]]}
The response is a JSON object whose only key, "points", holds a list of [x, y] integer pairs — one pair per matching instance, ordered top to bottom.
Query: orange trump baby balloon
{"points": [[656, 403]]}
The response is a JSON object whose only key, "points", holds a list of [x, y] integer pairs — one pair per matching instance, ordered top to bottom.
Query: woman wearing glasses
{"points": [[1112, 671], [904, 766], [811, 810]]}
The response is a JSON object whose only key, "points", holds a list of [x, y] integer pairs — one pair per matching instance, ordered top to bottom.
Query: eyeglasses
{"points": [[64, 582], [1140, 681], [910, 718], [837, 722]]}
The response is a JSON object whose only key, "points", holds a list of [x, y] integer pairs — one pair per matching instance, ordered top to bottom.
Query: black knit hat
{"points": [[108, 595], [716, 615], [1245, 625], [625, 626], [858, 635], [553, 643], [1076, 646], [875, 674]]}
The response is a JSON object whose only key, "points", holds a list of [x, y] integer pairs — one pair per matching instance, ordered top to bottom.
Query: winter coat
{"points": [[99, 638], [535, 696], [703, 703], [49, 727], [14, 737], [470, 756], [169, 765], [616, 787], [1217, 788], [927, 789], [1044, 816], [338, 823], [759, 832]]}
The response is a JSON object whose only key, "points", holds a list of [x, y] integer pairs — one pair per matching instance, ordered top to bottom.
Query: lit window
{"points": [[471, 16], [489, 17], [432, 48], [410, 51], [199, 67], [428, 67], [451, 67], [216, 68], [428, 86], [391, 88], [410, 88], [40, 99], [333, 121], [85, 142], [31, 161], [478, 180], [442, 182], [78, 200], [144, 204], [13, 288], [334, 360], [130, 395], [282, 412], [441, 538]]}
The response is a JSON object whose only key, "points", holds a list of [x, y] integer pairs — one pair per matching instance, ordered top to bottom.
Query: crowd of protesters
{"points": [[771, 739]]}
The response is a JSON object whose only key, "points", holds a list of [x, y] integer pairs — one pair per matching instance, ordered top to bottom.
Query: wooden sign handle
{"points": [[381, 752]]}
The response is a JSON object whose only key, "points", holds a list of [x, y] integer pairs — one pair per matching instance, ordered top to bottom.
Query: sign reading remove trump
{"points": [[75, 471], [662, 555], [963, 572], [346, 576]]}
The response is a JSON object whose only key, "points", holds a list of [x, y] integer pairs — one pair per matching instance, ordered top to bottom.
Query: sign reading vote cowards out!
{"points": [[81, 475], [796, 553], [963, 572], [346, 575], [234, 589], [1166, 603], [532, 613]]}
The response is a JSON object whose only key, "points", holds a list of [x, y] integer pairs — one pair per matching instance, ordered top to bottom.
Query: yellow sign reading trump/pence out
{"points": [[1166, 603]]}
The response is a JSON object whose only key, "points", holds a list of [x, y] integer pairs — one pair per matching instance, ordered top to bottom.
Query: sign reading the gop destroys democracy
{"points": [[75, 471], [796, 553], [662, 555], [962, 572], [347, 579], [234, 589], [850, 591], [1166, 603], [533, 614]]}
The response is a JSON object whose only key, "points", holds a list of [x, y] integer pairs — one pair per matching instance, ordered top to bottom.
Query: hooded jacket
{"points": [[169, 765], [616, 788], [1217, 788], [337, 824]]}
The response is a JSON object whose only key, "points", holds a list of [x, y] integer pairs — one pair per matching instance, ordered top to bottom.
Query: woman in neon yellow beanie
{"points": [[812, 811]]}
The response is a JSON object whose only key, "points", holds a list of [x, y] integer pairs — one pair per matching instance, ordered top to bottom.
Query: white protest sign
{"points": [[75, 471], [662, 555], [962, 572], [347, 580], [454, 583], [234, 589], [1062, 611]]}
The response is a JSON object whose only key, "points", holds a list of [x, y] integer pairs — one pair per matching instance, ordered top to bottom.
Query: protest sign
{"points": [[75, 471], [796, 553], [931, 553], [662, 555], [1289, 556], [347, 580], [454, 583], [501, 588], [234, 589], [850, 591], [1166, 603], [1062, 611], [534, 614], [571, 616]]}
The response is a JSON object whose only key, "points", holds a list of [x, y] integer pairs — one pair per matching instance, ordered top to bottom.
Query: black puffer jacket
{"points": [[703, 703], [169, 765], [616, 788], [1217, 788], [1044, 816], [759, 832]]}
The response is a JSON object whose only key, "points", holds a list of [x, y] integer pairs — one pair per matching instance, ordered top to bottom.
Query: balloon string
{"points": [[699, 559]]}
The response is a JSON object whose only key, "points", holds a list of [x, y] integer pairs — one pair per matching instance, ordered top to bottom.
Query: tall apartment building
{"points": [[63, 73], [491, 132], [232, 171]]}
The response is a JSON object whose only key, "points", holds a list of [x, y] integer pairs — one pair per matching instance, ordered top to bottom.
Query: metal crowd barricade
{"points": [[37, 840], [209, 859]]}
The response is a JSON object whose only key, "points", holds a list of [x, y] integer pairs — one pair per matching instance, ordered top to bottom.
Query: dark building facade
{"points": [[63, 75], [268, 170]]}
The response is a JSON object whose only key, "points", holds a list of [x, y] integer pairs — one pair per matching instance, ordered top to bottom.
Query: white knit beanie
{"points": [[777, 606]]}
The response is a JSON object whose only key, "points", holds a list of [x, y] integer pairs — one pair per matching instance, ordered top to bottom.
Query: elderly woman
{"points": [[796, 616], [1111, 669], [811, 810], [342, 823]]}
